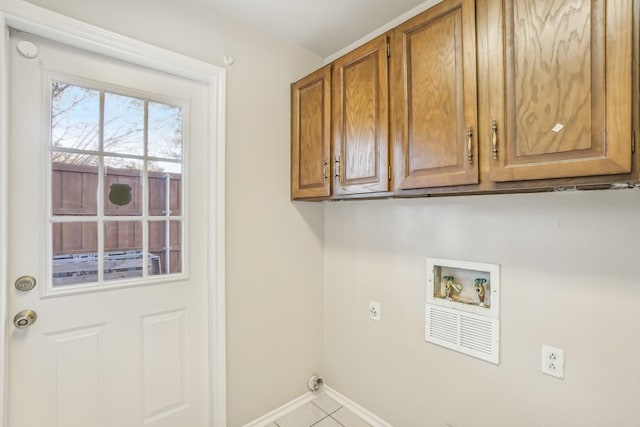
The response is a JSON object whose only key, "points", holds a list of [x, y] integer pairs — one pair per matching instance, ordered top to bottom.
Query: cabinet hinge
{"points": [[388, 50], [633, 143], [389, 172]]}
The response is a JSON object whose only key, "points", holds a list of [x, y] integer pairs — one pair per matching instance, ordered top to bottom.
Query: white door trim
{"points": [[23, 16]]}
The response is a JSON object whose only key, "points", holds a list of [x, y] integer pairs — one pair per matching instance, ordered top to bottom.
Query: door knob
{"points": [[25, 318]]}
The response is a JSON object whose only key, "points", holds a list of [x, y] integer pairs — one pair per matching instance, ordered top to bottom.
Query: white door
{"points": [[107, 211]]}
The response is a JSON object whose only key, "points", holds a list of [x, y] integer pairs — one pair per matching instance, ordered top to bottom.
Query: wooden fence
{"points": [[74, 193]]}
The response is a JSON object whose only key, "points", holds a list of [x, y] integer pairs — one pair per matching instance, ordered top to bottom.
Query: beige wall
{"points": [[274, 247], [569, 275], [569, 279]]}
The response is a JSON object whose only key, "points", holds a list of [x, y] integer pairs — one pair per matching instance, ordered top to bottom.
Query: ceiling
{"points": [[321, 26]]}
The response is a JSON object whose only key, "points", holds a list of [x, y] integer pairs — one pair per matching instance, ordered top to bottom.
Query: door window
{"points": [[116, 203]]}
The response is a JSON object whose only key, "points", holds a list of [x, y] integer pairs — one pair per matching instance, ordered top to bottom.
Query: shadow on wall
{"points": [[313, 215], [514, 228]]}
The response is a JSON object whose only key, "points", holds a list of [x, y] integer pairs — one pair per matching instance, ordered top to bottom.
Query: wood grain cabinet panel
{"points": [[561, 92], [434, 98], [558, 103], [361, 120], [311, 135]]}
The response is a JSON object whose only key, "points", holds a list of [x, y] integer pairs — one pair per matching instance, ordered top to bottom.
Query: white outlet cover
{"points": [[374, 310], [552, 361]]}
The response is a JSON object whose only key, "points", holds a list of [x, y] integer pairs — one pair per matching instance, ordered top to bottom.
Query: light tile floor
{"points": [[323, 411]]}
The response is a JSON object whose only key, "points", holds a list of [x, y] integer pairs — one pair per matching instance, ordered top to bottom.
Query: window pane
{"points": [[75, 117], [123, 124], [165, 131], [105, 154], [74, 184], [122, 186], [165, 188], [75, 247], [165, 247], [122, 250]]}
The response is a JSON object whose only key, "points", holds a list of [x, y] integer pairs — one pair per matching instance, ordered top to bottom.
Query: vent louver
{"points": [[443, 325], [467, 333], [476, 334]]}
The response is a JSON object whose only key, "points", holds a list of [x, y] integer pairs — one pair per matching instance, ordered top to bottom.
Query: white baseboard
{"points": [[283, 410], [361, 412]]}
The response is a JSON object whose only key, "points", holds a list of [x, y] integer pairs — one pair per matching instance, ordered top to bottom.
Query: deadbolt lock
{"points": [[25, 283], [25, 318]]}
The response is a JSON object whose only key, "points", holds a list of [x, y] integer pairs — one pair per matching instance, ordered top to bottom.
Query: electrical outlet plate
{"points": [[374, 310], [552, 361]]}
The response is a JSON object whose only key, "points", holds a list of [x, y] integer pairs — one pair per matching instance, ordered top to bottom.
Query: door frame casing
{"points": [[19, 15]]}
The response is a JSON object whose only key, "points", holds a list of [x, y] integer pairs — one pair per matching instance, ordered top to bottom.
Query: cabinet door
{"points": [[561, 92], [435, 98], [361, 120], [311, 135]]}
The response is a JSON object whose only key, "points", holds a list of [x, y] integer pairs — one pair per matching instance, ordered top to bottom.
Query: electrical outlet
{"points": [[374, 310], [552, 362]]}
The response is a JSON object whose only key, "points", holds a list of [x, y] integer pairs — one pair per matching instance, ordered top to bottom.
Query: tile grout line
{"points": [[318, 406], [336, 410], [328, 414], [324, 418], [337, 420]]}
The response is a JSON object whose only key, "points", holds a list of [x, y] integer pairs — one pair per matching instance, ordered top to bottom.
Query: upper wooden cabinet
{"points": [[560, 88], [480, 96], [350, 98], [434, 98], [361, 120], [311, 135]]}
